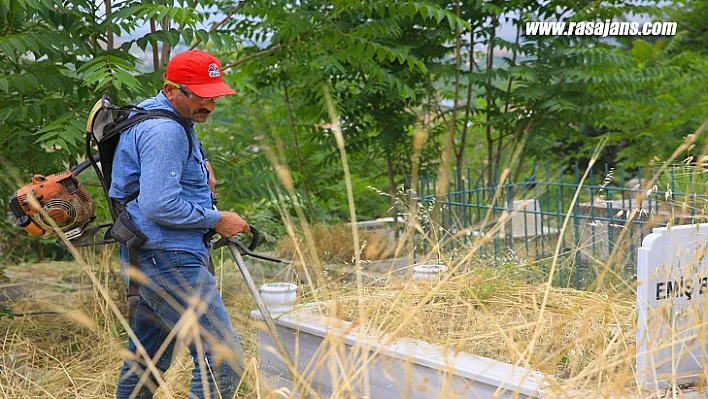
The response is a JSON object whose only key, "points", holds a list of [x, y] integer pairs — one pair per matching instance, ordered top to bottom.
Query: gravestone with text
{"points": [[672, 294]]}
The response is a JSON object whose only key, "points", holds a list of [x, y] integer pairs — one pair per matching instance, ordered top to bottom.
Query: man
{"points": [[174, 209]]}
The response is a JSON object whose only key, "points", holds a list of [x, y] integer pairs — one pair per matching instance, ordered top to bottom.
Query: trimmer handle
{"points": [[255, 240], [233, 242]]}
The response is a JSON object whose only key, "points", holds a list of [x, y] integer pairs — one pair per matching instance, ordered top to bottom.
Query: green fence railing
{"points": [[614, 211]]}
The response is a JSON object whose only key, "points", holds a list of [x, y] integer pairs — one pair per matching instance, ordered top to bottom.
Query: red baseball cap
{"points": [[200, 72]]}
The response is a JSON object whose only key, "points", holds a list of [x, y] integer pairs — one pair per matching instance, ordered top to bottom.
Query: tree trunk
{"points": [[109, 32], [166, 47], [155, 54], [513, 62], [506, 105], [463, 137], [523, 139], [490, 140], [297, 153], [519, 166], [443, 182], [391, 186]]}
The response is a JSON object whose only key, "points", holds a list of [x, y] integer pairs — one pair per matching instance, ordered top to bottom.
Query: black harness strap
{"points": [[140, 115]]}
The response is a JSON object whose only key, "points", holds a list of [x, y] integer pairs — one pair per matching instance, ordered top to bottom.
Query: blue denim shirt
{"points": [[174, 208]]}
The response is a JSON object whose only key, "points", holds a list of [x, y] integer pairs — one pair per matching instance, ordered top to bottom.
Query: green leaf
{"points": [[381, 9], [188, 35], [203, 35], [173, 37], [216, 38], [142, 43], [126, 46]]}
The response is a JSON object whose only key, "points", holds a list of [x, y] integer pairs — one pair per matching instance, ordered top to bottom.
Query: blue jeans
{"points": [[174, 284]]}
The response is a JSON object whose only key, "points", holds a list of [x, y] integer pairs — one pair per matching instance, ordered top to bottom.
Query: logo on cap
{"points": [[214, 71]]}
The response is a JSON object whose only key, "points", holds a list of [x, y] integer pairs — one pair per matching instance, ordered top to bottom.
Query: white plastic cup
{"points": [[428, 272], [279, 295]]}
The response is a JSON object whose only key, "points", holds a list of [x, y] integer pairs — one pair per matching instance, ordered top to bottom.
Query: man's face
{"points": [[188, 104]]}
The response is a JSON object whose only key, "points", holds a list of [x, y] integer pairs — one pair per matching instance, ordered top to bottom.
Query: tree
{"points": [[374, 56], [58, 58], [523, 94]]}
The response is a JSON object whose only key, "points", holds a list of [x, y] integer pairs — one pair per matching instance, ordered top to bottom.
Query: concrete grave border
{"points": [[439, 370]]}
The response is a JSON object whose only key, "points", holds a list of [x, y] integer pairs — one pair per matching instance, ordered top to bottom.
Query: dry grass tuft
{"points": [[334, 244], [480, 313], [78, 354]]}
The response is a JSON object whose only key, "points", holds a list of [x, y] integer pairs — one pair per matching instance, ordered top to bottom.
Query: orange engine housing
{"points": [[61, 198]]}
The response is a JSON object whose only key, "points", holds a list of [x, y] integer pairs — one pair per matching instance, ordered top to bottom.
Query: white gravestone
{"points": [[525, 218], [672, 294]]}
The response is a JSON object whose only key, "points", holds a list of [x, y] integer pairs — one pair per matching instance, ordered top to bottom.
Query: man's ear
{"points": [[170, 91]]}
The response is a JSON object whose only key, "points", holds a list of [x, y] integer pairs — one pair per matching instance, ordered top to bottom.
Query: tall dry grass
{"points": [[334, 244], [582, 340], [77, 351]]}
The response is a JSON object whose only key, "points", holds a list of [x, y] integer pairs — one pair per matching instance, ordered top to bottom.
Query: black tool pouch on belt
{"points": [[126, 232]]}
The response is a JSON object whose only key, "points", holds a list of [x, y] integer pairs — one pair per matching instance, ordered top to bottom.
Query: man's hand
{"points": [[212, 178], [230, 224]]}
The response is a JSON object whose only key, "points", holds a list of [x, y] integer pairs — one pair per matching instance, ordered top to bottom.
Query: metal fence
{"points": [[613, 213]]}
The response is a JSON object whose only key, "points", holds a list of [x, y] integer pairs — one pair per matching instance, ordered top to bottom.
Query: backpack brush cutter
{"points": [[61, 200]]}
